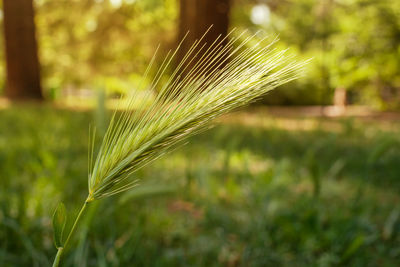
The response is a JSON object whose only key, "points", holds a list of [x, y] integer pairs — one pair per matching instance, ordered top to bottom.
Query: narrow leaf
{"points": [[59, 220]]}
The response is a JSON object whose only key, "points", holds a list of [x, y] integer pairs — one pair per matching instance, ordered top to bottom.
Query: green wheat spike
{"points": [[221, 78]]}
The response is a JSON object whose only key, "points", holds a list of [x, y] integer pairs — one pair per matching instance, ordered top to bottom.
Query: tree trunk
{"points": [[196, 16], [23, 75]]}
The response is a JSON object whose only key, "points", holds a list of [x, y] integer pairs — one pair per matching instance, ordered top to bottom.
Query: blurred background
{"points": [[307, 176]]}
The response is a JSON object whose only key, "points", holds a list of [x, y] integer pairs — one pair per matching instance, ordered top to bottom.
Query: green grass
{"points": [[253, 191]]}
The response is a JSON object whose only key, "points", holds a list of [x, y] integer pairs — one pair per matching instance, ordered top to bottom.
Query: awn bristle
{"points": [[221, 79]]}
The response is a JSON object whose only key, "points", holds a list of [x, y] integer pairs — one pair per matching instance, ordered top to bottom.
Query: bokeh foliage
{"points": [[100, 43], [108, 43], [354, 45], [254, 191]]}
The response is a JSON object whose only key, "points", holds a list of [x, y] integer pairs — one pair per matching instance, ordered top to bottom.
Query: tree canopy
{"points": [[108, 43]]}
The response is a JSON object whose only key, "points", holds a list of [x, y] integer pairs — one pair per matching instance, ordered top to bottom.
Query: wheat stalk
{"points": [[220, 79]]}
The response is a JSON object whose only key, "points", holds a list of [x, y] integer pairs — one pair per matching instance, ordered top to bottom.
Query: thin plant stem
{"points": [[75, 223], [61, 249], [58, 257]]}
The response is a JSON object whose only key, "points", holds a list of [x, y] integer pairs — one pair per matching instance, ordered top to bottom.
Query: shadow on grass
{"points": [[374, 159]]}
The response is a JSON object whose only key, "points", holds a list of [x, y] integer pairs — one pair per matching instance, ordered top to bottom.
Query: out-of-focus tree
{"points": [[195, 19], [101, 43], [108, 43], [354, 45], [366, 53], [23, 75]]}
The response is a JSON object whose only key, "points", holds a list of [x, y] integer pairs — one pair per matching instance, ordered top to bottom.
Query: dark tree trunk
{"points": [[196, 16], [23, 75]]}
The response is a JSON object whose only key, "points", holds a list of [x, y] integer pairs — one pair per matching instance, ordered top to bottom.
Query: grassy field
{"points": [[255, 190]]}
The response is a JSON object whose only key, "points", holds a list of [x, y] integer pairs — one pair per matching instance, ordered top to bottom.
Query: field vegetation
{"points": [[256, 190]]}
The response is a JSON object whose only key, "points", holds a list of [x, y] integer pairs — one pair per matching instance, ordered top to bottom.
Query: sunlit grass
{"points": [[250, 183]]}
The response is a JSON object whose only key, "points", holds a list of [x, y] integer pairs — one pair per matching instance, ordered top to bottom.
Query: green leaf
{"points": [[59, 220], [353, 247]]}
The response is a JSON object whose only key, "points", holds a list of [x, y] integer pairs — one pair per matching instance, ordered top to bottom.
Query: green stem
{"points": [[75, 223], [61, 249], [58, 257]]}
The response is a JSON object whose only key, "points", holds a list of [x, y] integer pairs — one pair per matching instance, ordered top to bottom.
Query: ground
{"points": [[262, 188]]}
